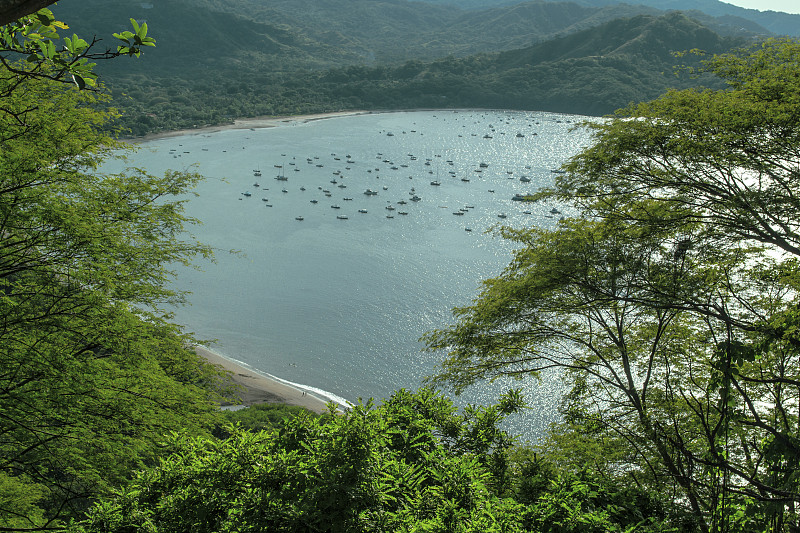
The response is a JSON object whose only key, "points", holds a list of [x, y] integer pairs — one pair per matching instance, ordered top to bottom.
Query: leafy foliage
{"points": [[36, 38], [668, 304], [92, 372], [261, 417], [411, 463]]}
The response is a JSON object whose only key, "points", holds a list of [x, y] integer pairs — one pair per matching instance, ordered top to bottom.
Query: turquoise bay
{"points": [[332, 290]]}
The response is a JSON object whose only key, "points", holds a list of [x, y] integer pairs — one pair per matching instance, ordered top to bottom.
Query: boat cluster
{"points": [[437, 171]]}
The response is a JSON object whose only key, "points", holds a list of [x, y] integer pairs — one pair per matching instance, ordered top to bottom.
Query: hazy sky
{"points": [[787, 6]]}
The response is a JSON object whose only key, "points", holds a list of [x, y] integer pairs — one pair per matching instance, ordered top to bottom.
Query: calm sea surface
{"points": [[337, 301]]}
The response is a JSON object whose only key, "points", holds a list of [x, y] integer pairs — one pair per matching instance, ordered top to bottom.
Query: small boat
{"points": [[519, 136], [484, 165], [256, 173], [525, 179], [465, 180], [435, 183], [256, 185], [284, 190], [370, 192], [246, 194], [415, 198], [265, 199], [346, 199], [314, 201], [335, 207], [390, 208], [362, 210], [458, 212], [502, 215], [341, 217], [298, 218], [467, 229]]}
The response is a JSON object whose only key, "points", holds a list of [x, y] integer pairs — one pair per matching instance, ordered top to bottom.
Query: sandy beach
{"points": [[248, 123], [258, 388]]}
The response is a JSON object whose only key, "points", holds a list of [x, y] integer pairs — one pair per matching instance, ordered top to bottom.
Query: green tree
{"points": [[34, 36], [668, 303], [92, 373], [412, 464]]}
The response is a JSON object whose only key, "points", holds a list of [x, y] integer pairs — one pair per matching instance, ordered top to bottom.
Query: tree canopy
{"points": [[668, 301], [92, 371], [411, 463]]}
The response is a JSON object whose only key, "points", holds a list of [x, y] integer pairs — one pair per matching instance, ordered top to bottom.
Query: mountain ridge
{"points": [[776, 22], [213, 66]]}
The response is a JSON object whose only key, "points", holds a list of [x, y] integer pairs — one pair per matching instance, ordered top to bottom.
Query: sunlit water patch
{"points": [[334, 287]]}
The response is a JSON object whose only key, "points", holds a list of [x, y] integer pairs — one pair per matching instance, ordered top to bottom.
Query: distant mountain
{"points": [[776, 22], [313, 34], [217, 60], [594, 71]]}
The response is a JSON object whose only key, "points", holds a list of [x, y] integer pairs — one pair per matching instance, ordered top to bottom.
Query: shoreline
{"points": [[270, 121], [246, 123], [259, 388]]}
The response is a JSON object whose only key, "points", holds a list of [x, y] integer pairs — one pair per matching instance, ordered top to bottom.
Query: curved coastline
{"points": [[247, 123], [255, 386], [258, 387]]}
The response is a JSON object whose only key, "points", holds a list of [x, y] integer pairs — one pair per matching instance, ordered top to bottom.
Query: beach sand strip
{"points": [[246, 123], [258, 388]]}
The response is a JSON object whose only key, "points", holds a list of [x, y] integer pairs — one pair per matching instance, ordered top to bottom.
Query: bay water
{"points": [[331, 288]]}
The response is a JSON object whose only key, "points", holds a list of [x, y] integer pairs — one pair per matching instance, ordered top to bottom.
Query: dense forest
{"points": [[223, 60], [669, 303]]}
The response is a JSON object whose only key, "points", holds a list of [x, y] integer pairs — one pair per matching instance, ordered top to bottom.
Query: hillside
{"points": [[775, 22], [314, 34], [216, 61], [593, 72]]}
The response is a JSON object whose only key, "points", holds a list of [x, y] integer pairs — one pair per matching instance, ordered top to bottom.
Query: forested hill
{"points": [[776, 22], [291, 34], [212, 66], [592, 72]]}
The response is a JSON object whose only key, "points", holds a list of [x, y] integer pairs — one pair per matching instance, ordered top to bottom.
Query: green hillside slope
{"points": [[212, 66]]}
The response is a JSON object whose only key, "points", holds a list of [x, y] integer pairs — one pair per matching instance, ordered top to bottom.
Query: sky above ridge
{"points": [[787, 6]]}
